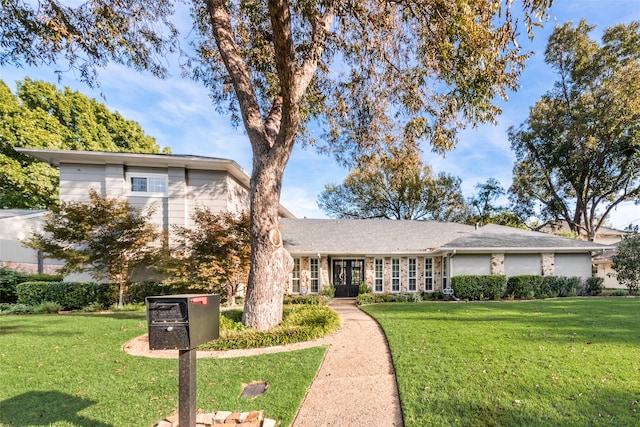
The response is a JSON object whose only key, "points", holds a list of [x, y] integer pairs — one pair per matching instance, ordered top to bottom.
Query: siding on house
{"points": [[17, 225]]}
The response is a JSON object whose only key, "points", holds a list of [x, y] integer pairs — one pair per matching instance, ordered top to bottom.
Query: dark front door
{"points": [[348, 274]]}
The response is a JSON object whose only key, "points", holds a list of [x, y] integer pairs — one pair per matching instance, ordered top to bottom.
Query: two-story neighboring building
{"points": [[173, 185]]}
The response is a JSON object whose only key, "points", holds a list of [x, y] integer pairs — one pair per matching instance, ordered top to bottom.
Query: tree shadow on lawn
{"points": [[46, 408]]}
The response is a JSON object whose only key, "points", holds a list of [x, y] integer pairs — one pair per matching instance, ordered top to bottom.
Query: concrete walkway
{"points": [[356, 383]]}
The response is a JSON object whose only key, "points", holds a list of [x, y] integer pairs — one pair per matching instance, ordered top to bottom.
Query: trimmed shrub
{"points": [[9, 279], [525, 286], [560, 286], [593, 286], [479, 287], [364, 289], [69, 295], [309, 299], [300, 323]]}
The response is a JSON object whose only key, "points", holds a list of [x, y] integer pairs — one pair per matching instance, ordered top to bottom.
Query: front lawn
{"points": [[565, 362], [69, 370]]}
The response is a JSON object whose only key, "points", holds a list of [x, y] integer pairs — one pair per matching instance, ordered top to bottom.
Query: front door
{"points": [[348, 274]]}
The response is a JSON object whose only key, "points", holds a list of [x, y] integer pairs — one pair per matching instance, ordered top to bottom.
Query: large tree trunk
{"points": [[270, 262]]}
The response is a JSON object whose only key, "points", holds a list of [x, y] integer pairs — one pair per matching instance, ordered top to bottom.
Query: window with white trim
{"points": [[147, 184], [445, 273], [395, 274], [428, 274], [314, 275], [379, 275], [412, 275], [295, 276]]}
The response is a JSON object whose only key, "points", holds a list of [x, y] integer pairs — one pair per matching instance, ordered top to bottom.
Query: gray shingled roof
{"points": [[367, 236], [493, 236], [370, 237]]}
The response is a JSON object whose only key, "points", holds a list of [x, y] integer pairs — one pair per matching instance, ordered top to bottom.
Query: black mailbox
{"points": [[182, 322]]}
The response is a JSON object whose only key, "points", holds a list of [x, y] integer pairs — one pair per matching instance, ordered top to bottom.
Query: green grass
{"points": [[565, 362], [69, 370]]}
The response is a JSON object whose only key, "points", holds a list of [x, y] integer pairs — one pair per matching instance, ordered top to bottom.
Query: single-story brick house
{"points": [[421, 256]]}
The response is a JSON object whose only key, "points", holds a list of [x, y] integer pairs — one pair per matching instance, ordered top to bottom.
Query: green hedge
{"points": [[9, 279], [479, 286], [525, 286], [528, 286], [593, 286], [138, 291], [70, 295], [299, 323]]}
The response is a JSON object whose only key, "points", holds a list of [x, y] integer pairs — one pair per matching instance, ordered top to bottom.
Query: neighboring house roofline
{"points": [[55, 157], [12, 214]]}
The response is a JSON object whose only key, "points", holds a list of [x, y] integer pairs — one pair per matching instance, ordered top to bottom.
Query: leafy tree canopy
{"points": [[39, 115], [578, 154], [395, 185], [486, 211], [107, 238], [214, 253]]}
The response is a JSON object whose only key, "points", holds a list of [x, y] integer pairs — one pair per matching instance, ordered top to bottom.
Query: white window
{"points": [[147, 184], [314, 273], [445, 273], [428, 274], [379, 275], [395, 275], [412, 275], [295, 276]]}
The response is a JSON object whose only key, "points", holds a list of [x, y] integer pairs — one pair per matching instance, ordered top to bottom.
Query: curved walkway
{"points": [[356, 383]]}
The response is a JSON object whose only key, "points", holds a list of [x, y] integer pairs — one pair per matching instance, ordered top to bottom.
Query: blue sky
{"points": [[180, 115]]}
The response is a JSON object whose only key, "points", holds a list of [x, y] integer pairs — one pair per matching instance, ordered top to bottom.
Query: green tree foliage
{"points": [[366, 70], [39, 115], [578, 154], [395, 185], [485, 210], [107, 238], [214, 254], [626, 262]]}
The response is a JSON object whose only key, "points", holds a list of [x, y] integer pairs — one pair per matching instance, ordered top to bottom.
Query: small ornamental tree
{"points": [[107, 238], [214, 254], [626, 262]]}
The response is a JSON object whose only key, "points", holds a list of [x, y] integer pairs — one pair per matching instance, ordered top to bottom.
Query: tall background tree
{"points": [[365, 70], [39, 115], [578, 154], [395, 185], [486, 210], [106, 238]]}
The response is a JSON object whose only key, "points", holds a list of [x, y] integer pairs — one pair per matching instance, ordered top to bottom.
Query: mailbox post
{"points": [[183, 322]]}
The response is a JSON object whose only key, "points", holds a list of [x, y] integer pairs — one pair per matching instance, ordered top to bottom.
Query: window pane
{"points": [[139, 184], [157, 185], [313, 270], [428, 274], [395, 275], [412, 275], [295, 276], [379, 276]]}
